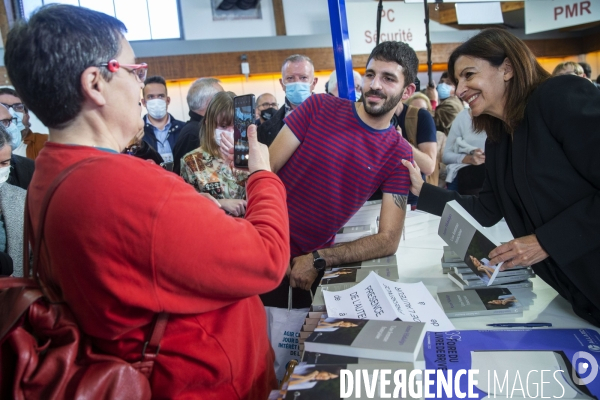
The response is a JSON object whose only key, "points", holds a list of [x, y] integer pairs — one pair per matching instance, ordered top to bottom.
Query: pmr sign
{"points": [[545, 15]]}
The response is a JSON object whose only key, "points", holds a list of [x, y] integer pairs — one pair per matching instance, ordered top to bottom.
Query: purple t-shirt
{"points": [[340, 162]]}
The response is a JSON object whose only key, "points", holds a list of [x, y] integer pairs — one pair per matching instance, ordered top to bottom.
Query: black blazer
{"points": [[268, 130], [556, 171]]}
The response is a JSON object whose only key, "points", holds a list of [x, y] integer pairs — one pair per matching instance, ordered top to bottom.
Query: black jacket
{"points": [[268, 130], [150, 138], [189, 140], [555, 169], [21, 171]]}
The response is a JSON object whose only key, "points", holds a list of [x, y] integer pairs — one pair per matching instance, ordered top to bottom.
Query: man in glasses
{"points": [[266, 107], [30, 143], [21, 168], [126, 239]]}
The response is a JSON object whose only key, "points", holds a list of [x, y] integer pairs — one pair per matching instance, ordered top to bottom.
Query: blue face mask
{"points": [[444, 90], [297, 92], [19, 119], [15, 135]]}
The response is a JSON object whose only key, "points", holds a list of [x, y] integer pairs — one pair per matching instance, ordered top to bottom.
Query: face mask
{"points": [[444, 90], [297, 92], [157, 108], [268, 113], [19, 117], [219, 133], [15, 135], [4, 172]]}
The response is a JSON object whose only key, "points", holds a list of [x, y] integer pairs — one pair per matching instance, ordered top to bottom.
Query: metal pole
{"points": [[379, 12], [428, 41], [341, 49]]}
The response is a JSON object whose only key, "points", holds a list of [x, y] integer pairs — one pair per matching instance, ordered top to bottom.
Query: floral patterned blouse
{"points": [[212, 175]]}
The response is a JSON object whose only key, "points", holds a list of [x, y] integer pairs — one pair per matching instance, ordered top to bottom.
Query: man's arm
{"points": [[282, 148], [425, 154], [384, 243]]}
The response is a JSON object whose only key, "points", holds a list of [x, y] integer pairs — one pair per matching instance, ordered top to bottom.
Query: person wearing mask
{"points": [[298, 81], [332, 86], [198, 97], [449, 106], [266, 107], [161, 130], [29, 143], [21, 168], [542, 169], [206, 170], [12, 206], [127, 240]]}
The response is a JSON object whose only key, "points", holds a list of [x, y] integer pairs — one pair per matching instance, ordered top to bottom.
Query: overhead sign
{"points": [[479, 13], [554, 14], [400, 22]]}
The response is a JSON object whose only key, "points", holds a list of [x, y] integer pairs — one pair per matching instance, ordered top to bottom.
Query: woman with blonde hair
{"points": [[420, 100], [205, 168]]}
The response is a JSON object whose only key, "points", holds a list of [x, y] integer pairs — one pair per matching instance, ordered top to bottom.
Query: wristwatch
{"points": [[318, 262]]}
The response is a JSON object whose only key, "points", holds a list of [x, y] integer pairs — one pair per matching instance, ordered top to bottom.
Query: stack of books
{"points": [[465, 259]]}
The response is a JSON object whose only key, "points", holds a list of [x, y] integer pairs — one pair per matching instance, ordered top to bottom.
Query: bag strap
{"points": [[410, 124], [41, 274]]}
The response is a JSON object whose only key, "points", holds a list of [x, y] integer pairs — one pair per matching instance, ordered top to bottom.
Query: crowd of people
{"points": [[160, 221]]}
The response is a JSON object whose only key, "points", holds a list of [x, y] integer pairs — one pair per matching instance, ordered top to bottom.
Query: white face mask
{"points": [[157, 108], [19, 117], [219, 132], [15, 135], [4, 172]]}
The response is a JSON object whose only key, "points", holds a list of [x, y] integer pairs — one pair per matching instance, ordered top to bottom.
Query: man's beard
{"points": [[388, 104]]}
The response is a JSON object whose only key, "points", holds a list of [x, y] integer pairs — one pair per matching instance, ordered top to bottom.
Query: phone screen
{"points": [[243, 117]]}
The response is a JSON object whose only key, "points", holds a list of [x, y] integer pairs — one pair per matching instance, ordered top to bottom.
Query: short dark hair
{"points": [[494, 45], [398, 52], [46, 55], [587, 69], [155, 79], [12, 92]]}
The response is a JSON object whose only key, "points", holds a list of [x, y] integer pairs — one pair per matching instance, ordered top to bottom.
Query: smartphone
{"points": [[243, 109]]}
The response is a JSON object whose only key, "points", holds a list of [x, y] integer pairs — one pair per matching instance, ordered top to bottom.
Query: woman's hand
{"points": [[226, 147], [477, 158], [416, 180], [235, 207], [523, 251]]}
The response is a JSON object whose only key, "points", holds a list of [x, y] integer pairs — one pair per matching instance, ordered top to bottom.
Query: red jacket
{"points": [[127, 239]]}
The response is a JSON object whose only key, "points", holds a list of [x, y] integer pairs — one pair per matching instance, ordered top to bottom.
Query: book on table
{"points": [[471, 243], [389, 261], [357, 274], [478, 283], [477, 302], [382, 340], [310, 357], [510, 362]]}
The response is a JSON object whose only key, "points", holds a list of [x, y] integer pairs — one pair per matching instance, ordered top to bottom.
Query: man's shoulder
{"points": [[276, 121], [176, 125], [22, 161]]}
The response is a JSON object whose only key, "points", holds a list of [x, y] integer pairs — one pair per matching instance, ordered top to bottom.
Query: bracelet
{"points": [[258, 170]]}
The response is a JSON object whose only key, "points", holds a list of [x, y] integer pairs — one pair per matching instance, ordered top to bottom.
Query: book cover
{"points": [[466, 238], [451, 256], [357, 274], [478, 283], [318, 303], [472, 303], [382, 340], [310, 357], [510, 362], [322, 381]]}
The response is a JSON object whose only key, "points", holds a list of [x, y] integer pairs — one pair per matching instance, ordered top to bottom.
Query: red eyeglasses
{"points": [[139, 70]]}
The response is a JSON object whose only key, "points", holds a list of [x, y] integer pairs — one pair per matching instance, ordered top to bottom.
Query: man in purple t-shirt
{"points": [[331, 155]]}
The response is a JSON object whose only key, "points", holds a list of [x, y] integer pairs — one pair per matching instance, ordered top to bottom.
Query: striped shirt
{"points": [[340, 162]]}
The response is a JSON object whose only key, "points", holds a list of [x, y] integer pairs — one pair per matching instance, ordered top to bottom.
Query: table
{"points": [[419, 259]]}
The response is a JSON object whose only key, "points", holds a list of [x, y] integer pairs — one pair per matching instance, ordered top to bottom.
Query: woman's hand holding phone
{"points": [[258, 155]]}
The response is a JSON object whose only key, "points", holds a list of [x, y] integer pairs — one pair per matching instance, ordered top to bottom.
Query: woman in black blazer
{"points": [[542, 164]]}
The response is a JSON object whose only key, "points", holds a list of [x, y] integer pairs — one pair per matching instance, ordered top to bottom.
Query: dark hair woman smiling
{"points": [[542, 170]]}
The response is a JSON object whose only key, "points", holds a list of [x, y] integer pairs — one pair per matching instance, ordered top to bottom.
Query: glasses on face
{"points": [[139, 70], [267, 105], [18, 107], [6, 122]]}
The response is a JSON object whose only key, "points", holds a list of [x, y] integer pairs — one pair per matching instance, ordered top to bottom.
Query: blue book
{"points": [[510, 362]]}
